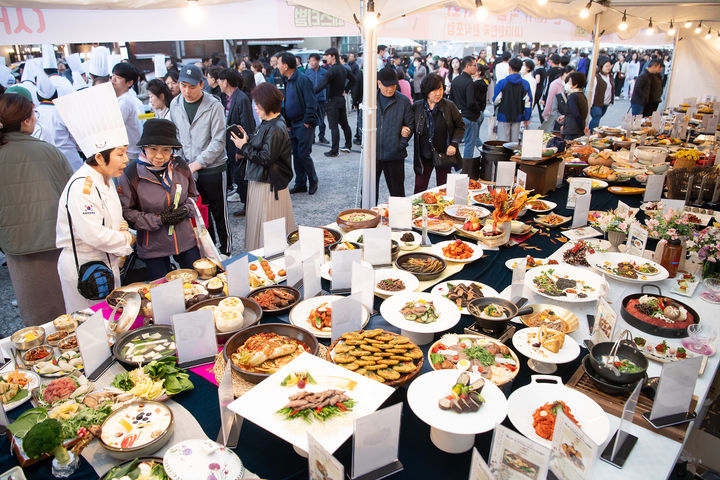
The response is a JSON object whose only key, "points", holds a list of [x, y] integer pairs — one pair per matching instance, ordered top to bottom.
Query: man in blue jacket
{"points": [[316, 73], [513, 102], [300, 113]]}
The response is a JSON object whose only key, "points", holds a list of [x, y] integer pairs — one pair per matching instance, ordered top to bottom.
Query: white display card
{"points": [[657, 123], [532, 144], [505, 175], [521, 179], [450, 183], [578, 186], [654, 188], [460, 192], [672, 204], [622, 208], [582, 209], [400, 213], [582, 233], [274, 237], [636, 240], [311, 242], [376, 242], [342, 261], [293, 264], [311, 276], [237, 277], [518, 277], [363, 285], [167, 300], [346, 316], [605, 321], [195, 336], [92, 342], [676, 386], [225, 398], [627, 418], [376, 439], [509, 449], [573, 453], [321, 464], [479, 469]]}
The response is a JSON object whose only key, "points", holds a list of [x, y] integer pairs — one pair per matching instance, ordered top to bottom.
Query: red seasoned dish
{"points": [[647, 309]]}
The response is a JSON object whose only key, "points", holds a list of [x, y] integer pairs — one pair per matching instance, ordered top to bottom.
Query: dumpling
{"points": [[231, 303], [229, 320]]}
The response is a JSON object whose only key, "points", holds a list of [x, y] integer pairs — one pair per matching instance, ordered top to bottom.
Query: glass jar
{"points": [[671, 257]]}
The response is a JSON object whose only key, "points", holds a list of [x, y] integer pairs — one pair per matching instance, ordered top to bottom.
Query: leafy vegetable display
{"points": [[481, 353], [175, 380], [84, 418], [27, 420], [45, 437], [148, 469]]}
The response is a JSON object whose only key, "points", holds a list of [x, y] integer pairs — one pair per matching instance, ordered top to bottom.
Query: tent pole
{"points": [[370, 39], [593, 63], [672, 71]]}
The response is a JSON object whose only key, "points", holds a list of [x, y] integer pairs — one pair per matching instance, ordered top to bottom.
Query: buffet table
{"points": [[270, 457]]}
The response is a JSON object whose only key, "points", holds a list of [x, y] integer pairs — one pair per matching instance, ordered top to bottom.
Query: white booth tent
{"points": [[696, 63]]}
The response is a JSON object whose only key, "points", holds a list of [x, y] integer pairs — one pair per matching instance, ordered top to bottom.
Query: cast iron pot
{"points": [[511, 308], [657, 330], [625, 351]]}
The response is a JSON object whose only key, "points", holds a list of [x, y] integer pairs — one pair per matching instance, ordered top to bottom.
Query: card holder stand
{"points": [[398, 229], [274, 256], [382, 265], [340, 291], [591, 321], [197, 362], [93, 376], [670, 420], [234, 435], [623, 452], [381, 472]]}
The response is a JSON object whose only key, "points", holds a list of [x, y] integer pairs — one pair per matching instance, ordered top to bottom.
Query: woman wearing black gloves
{"points": [[155, 192]]}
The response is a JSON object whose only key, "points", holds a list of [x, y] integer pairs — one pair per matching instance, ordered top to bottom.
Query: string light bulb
{"points": [[542, 2], [480, 11], [585, 12], [623, 23], [688, 24], [650, 29], [698, 29], [671, 31], [708, 36]]}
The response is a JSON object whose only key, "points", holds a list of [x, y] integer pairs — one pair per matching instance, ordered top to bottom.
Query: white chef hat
{"points": [[113, 59], [49, 60], [99, 61], [74, 62], [76, 66], [160, 68], [30, 69], [6, 76], [45, 87], [93, 117]]}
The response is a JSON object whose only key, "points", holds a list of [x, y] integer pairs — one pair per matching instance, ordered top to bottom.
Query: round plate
{"points": [[597, 184], [475, 199], [550, 204], [466, 211], [541, 221], [353, 235], [407, 246], [477, 251], [605, 261], [511, 263], [326, 268], [588, 279], [411, 282], [444, 287], [277, 311], [300, 313], [448, 313], [570, 319], [569, 351], [61, 373], [34, 382], [425, 391], [526, 400]]}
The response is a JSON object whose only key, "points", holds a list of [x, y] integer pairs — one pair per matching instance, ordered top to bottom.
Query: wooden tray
{"points": [[613, 404]]}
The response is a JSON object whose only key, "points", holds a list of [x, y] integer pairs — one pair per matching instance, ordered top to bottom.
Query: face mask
{"points": [[567, 87]]}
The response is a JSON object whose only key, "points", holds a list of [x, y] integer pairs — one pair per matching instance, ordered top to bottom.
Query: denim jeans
{"points": [[636, 109], [596, 113], [321, 118], [472, 130], [301, 138]]}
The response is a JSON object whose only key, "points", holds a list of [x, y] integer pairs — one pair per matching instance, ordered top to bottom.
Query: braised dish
{"points": [[330, 237], [424, 266], [276, 299]]}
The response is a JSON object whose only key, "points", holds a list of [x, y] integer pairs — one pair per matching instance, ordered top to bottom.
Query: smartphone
{"points": [[234, 129]]}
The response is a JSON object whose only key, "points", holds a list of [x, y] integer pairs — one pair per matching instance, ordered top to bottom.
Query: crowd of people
{"points": [[80, 193]]}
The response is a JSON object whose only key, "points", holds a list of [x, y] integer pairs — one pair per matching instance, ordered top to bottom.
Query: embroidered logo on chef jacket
{"points": [[88, 210]]}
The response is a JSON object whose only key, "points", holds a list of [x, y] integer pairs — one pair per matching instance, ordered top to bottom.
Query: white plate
{"points": [[597, 183], [477, 202], [550, 204], [479, 212], [552, 225], [434, 232], [353, 235], [596, 243], [407, 246], [477, 251], [512, 262], [603, 262], [276, 265], [326, 269], [588, 278], [411, 281], [691, 285], [443, 288], [300, 313], [448, 313], [569, 351], [34, 382], [426, 390], [526, 400], [261, 402]]}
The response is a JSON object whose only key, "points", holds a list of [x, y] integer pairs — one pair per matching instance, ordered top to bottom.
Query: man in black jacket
{"points": [[336, 81], [462, 93], [647, 93], [238, 112], [300, 112], [394, 125]]}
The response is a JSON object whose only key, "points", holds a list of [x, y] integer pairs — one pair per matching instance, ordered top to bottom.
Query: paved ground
{"points": [[338, 190]]}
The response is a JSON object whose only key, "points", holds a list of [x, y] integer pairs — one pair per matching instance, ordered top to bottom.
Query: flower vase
{"points": [[615, 239], [711, 270], [64, 470]]}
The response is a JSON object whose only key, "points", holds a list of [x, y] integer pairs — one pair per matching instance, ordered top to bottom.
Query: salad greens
{"points": [[480, 353], [176, 379], [123, 381], [322, 414], [85, 417], [133, 470]]}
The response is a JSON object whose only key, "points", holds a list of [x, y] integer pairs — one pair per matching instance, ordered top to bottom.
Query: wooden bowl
{"points": [[350, 225], [251, 315], [284, 329]]}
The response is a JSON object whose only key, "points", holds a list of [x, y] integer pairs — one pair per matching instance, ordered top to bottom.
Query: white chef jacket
{"points": [[129, 111], [45, 114], [51, 128], [96, 214]]}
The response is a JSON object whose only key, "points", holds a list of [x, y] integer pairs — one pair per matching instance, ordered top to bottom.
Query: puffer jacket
{"points": [[203, 141], [391, 146], [33, 174], [143, 198]]}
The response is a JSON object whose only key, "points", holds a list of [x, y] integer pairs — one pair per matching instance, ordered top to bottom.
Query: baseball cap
{"points": [[190, 74], [387, 76], [17, 89]]}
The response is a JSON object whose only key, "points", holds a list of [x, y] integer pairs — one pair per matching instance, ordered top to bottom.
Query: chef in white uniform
{"points": [[49, 64], [93, 117]]}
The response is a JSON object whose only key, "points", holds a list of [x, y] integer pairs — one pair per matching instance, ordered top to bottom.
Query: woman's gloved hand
{"points": [[173, 216]]}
